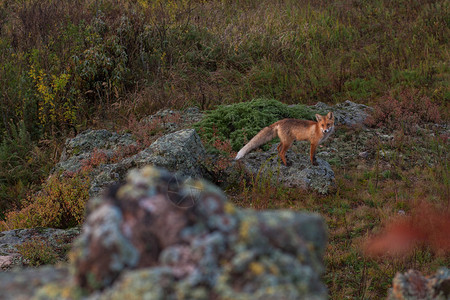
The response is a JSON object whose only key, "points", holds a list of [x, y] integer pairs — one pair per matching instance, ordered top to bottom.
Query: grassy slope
{"points": [[81, 67]]}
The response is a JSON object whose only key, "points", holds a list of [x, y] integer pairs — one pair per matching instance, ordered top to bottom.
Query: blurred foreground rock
{"points": [[160, 236], [24, 284], [413, 285]]}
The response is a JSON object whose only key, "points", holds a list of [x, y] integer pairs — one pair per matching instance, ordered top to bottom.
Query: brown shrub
{"points": [[35, 22], [404, 111], [97, 158], [60, 204], [37, 252]]}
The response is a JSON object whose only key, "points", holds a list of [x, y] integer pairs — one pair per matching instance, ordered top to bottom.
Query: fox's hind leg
{"points": [[279, 147], [282, 152]]}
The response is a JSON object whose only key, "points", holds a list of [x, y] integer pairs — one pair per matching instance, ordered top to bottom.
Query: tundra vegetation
{"points": [[70, 65]]}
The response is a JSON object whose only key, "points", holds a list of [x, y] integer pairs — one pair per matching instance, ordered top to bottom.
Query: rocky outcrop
{"points": [[80, 148], [180, 152], [300, 173], [163, 236], [413, 285]]}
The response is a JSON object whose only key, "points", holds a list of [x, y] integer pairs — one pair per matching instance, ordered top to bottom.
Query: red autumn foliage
{"points": [[404, 111], [97, 158], [425, 226]]}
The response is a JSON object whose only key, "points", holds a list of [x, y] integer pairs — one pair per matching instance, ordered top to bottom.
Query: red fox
{"points": [[289, 130]]}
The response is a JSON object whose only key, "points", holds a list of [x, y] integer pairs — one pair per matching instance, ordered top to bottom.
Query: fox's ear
{"points": [[330, 115], [318, 117]]}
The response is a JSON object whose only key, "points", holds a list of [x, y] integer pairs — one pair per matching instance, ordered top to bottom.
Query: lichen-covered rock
{"points": [[346, 113], [173, 120], [81, 147], [180, 152], [300, 172], [163, 236], [413, 285]]}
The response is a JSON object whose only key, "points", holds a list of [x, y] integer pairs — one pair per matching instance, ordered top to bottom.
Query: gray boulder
{"points": [[347, 113], [173, 120], [80, 148], [181, 152], [300, 173], [163, 236]]}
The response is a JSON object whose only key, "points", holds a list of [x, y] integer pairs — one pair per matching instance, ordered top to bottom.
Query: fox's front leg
{"points": [[313, 153]]}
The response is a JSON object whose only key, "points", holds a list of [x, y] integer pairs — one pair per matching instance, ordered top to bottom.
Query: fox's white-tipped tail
{"points": [[265, 135], [240, 154]]}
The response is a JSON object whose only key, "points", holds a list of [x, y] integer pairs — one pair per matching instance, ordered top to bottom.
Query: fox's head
{"points": [[326, 123]]}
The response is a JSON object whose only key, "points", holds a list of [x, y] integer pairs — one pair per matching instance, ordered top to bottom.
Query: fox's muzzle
{"points": [[328, 130]]}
